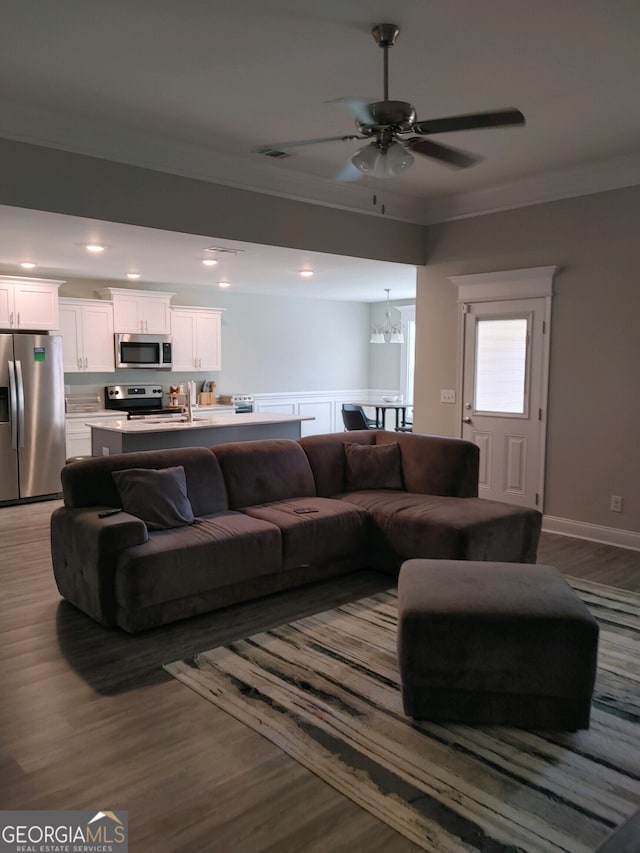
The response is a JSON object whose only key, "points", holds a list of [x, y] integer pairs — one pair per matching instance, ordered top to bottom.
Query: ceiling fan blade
{"points": [[358, 108], [496, 118], [281, 146], [445, 153]]}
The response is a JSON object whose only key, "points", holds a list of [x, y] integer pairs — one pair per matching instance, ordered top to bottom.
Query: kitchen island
{"points": [[129, 436]]}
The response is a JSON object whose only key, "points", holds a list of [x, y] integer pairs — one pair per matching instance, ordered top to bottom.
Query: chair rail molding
{"points": [[324, 406]]}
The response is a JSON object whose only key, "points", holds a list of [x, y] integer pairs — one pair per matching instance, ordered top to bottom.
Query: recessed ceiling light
{"points": [[95, 248], [210, 262], [27, 265], [306, 273], [133, 275], [224, 284]]}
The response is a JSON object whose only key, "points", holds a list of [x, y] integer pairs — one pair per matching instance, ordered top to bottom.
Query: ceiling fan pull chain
{"points": [[375, 201]]}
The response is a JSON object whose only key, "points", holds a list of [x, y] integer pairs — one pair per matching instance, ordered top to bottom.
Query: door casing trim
{"points": [[506, 285]]}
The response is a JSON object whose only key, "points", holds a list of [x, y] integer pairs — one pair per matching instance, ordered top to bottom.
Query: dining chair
{"points": [[354, 417]]}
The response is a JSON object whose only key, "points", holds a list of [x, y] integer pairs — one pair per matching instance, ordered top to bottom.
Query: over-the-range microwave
{"points": [[143, 351]]}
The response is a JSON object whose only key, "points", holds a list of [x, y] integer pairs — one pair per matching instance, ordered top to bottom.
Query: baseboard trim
{"points": [[593, 532]]}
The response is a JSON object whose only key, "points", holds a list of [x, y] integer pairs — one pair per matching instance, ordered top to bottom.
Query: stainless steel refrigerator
{"points": [[32, 442]]}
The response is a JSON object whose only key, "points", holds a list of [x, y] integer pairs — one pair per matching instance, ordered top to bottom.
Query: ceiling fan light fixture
{"points": [[381, 162]]}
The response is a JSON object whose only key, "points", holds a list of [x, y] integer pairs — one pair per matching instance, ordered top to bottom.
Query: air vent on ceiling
{"points": [[274, 152], [223, 250]]}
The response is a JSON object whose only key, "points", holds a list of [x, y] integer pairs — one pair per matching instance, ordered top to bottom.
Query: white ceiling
{"points": [[194, 87], [57, 243]]}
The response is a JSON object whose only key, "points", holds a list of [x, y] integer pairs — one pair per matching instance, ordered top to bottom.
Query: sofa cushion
{"points": [[327, 458], [436, 465], [373, 466], [259, 472], [90, 482], [157, 496], [441, 527], [315, 530], [223, 549]]}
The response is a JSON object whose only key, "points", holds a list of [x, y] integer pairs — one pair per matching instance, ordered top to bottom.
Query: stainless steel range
{"points": [[137, 400], [243, 403]]}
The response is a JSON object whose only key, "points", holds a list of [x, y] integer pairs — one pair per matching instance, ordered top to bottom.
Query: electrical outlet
{"points": [[447, 396], [105, 451], [616, 503]]}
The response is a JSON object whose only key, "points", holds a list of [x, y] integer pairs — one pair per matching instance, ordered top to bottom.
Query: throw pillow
{"points": [[373, 466], [156, 495]]}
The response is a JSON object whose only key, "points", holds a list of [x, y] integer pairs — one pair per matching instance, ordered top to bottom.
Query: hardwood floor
{"points": [[90, 720]]}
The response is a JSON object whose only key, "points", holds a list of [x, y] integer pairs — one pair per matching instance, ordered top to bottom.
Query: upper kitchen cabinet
{"points": [[28, 304], [142, 311], [86, 326], [196, 334]]}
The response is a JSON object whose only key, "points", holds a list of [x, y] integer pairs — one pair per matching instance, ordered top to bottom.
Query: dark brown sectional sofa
{"points": [[270, 515]]}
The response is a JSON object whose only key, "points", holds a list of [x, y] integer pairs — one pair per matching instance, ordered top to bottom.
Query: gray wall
{"points": [[61, 182], [269, 343], [594, 400]]}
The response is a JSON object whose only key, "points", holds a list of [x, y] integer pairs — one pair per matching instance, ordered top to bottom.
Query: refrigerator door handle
{"points": [[20, 395], [13, 405]]}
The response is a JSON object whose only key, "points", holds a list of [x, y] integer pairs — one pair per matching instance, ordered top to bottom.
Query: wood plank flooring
{"points": [[88, 719]]}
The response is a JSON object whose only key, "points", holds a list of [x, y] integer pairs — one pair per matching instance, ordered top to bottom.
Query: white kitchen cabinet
{"points": [[28, 304], [141, 311], [86, 326], [196, 334], [78, 434]]}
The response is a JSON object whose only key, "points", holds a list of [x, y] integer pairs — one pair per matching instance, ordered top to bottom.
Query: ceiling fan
{"points": [[390, 125]]}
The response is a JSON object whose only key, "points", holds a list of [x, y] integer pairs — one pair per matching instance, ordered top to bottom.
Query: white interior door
{"points": [[504, 396]]}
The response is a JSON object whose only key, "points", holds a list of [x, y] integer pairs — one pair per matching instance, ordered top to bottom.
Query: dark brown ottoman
{"points": [[494, 644]]}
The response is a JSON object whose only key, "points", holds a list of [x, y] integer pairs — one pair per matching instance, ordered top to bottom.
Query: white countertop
{"points": [[205, 421]]}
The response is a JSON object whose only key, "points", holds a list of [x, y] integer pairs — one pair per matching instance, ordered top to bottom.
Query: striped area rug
{"points": [[325, 689]]}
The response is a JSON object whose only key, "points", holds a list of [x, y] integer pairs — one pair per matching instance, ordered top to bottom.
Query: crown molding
{"points": [[75, 133], [584, 179]]}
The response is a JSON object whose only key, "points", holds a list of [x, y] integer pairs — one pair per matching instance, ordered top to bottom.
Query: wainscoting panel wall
{"points": [[324, 406]]}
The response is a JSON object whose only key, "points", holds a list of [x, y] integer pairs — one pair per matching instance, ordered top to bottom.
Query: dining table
{"points": [[382, 406]]}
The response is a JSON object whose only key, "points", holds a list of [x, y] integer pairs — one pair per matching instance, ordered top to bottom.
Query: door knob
{"points": [[466, 420]]}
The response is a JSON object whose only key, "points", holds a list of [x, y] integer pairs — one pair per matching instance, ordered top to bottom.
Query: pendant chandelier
{"points": [[389, 333]]}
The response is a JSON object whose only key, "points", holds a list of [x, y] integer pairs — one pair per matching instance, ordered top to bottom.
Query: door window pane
{"points": [[501, 360]]}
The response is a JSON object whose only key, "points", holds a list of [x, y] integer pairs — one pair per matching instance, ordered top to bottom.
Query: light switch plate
{"points": [[447, 396]]}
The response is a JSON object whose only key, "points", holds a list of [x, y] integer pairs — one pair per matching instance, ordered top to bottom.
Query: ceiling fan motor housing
{"points": [[385, 34], [396, 115]]}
